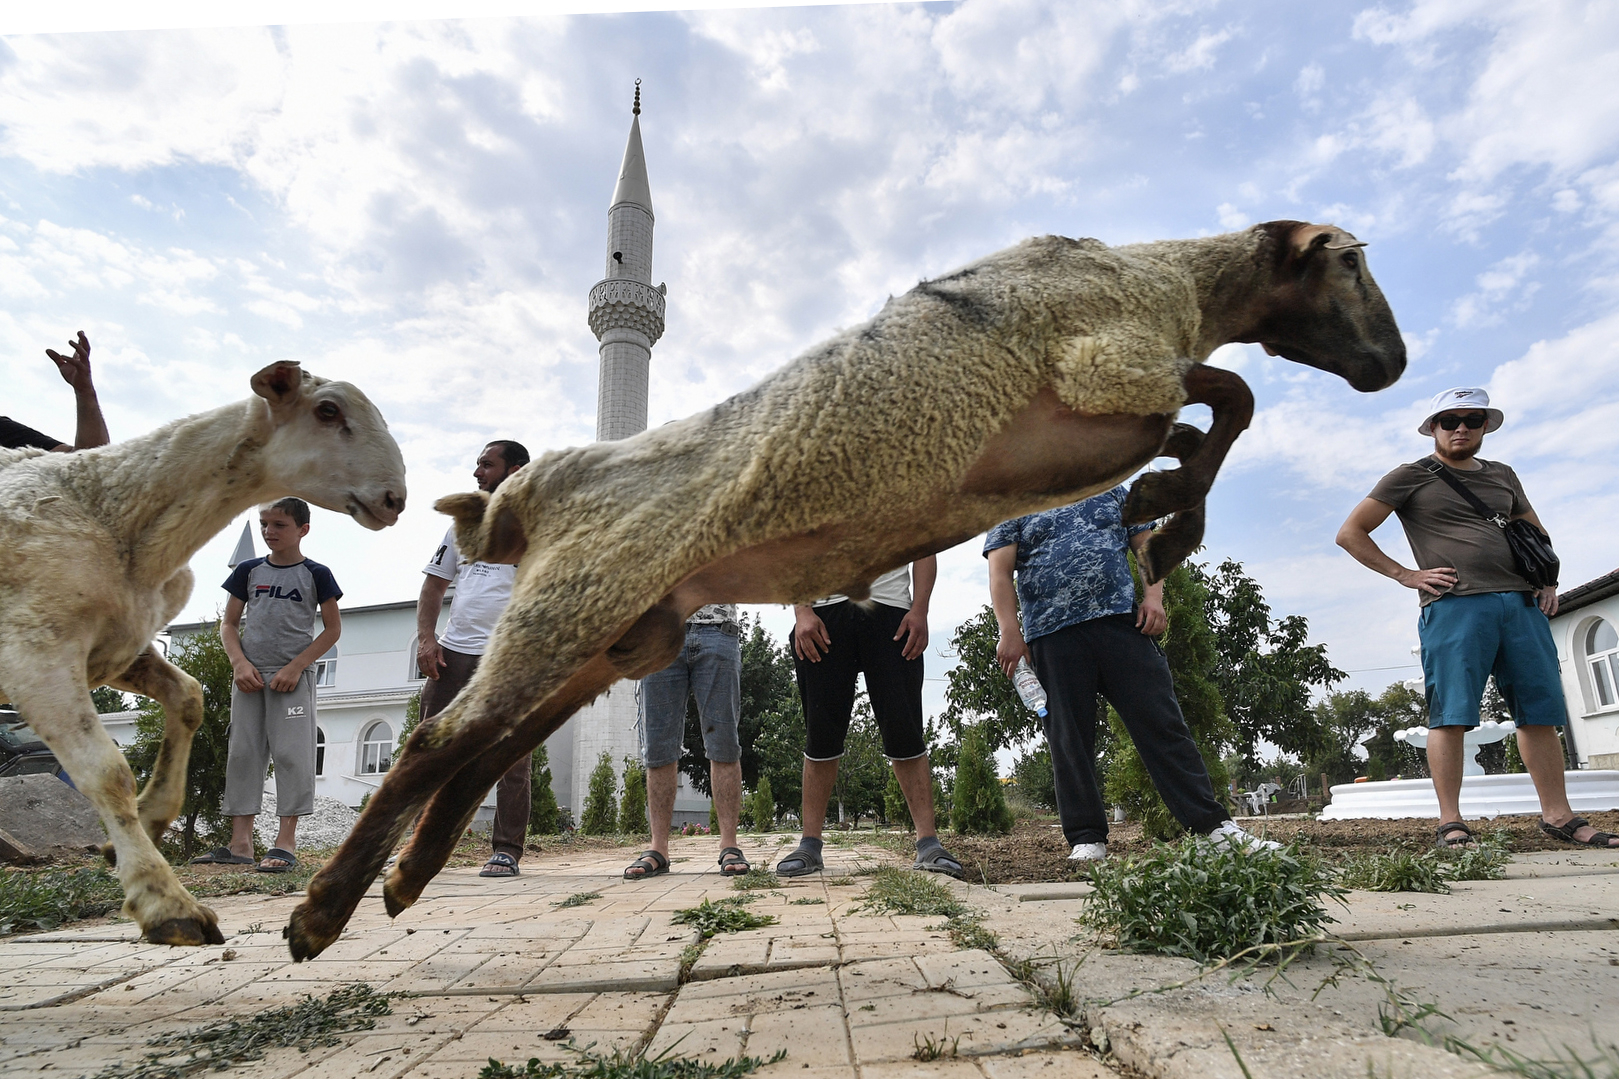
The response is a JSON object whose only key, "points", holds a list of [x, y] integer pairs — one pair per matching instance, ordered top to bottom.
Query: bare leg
{"points": [[152, 675], [1542, 755], [1445, 765], [819, 778], [725, 780], [916, 781], [660, 803], [241, 836]]}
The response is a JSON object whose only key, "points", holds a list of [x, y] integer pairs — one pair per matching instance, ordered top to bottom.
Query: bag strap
{"points": [[1429, 464]]}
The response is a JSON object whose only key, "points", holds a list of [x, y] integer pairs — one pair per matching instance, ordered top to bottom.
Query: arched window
{"points": [[1602, 656], [326, 668], [413, 673], [376, 749], [320, 752]]}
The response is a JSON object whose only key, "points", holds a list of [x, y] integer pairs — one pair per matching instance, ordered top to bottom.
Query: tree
{"points": [[1190, 648], [202, 656], [1262, 667], [978, 693], [106, 699], [1398, 707], [413, 718], [1346, 719], [780, 749], [863, 771], [1033, 779], [763, 803], [980, 804], [601, 808], [895, 809], [544, 815], [632, 818]]}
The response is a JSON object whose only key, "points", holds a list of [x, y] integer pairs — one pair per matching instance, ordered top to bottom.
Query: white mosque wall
{"points": [[1593, 720]]}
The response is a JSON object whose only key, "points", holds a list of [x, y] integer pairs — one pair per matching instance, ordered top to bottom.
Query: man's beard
{"points": [[1466, 453]]}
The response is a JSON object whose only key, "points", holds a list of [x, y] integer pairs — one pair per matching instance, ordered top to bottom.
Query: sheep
{"points": [[1035, 377], [96, 549]]}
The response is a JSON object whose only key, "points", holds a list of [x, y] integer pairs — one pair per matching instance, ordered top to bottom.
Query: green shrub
{"points": [[1032, 776], [763, 804], [980, 804], [895, 807], [601, 808], [544, 815], [632, 818], [1397, 871], [1207, 901]]}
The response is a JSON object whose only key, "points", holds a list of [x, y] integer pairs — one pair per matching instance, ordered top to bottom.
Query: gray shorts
{"points": [[709, 667], [269, 726]]}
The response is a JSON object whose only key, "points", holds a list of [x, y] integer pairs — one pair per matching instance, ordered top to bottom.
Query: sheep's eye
{"points": [[1352, 260], [328, 411]]}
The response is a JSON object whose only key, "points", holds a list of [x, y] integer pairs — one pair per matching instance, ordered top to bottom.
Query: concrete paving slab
{"points": [[1501, 906]]}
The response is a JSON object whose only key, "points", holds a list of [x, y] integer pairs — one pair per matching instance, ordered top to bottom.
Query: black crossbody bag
{"points": [[1531, 548]]}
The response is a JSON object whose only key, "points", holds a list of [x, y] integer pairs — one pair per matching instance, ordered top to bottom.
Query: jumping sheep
{"points": [[1035, 377], [97, 545]]}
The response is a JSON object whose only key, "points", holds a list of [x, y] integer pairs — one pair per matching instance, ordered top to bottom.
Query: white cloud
{"points": [[1503, 281]]}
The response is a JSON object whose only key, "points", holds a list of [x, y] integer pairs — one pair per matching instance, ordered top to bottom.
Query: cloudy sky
{"points": [[419, 207]]}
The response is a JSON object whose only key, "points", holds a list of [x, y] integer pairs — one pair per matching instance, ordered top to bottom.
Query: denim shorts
{"points": [[1465, 639], [709, 667]]}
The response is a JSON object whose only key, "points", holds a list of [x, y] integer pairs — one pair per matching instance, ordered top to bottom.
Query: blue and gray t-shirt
{"points": [[1071, 563], [282, 602]]}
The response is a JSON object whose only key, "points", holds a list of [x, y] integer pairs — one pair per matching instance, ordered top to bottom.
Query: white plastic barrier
{"points": [[1482, 796]]}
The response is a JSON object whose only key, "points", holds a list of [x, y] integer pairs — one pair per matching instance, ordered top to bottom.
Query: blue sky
{"points": [[420, 208]]}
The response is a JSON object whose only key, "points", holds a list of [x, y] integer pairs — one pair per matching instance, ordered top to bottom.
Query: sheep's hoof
{"points": [[1158, 494], [1170, 545], [110, 852], [397, 896], [203, 929], [302, 939]]}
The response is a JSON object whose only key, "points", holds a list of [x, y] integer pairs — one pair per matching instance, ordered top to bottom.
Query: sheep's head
{"points": [[1324, 310], [330, 446]]}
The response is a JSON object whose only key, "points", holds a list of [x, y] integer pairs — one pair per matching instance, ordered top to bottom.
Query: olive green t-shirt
{"points": [[1444, 530]]}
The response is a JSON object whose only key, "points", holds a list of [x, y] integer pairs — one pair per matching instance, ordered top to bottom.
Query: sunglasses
{"points": [[1472, 421]]}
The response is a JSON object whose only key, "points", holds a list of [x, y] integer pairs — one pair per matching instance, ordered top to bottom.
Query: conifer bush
{"points": [[763, 804], [980, 804], [601, 808], [895, 808], [544, 815], [632, 818]]}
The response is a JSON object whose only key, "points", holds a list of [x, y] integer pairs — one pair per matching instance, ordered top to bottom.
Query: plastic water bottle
{"points": [[1028, 686]]}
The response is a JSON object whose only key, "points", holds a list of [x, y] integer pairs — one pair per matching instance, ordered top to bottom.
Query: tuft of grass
{"points": [[1487, 861], [1396, 871], [755, 879], [902, 891], [45, 899], [578, 899], [806, 901], [1206, 902], [726, 916], [967, 931], [308, 1024], [929, 1049], [622, 1065]]}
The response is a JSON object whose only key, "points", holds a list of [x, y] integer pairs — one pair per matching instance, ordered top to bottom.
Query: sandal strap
{"points": [[1453, 826], [733, 854], [500, 857]]}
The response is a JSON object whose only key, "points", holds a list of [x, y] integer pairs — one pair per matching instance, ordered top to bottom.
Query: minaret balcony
{"points": [[621, 303]]}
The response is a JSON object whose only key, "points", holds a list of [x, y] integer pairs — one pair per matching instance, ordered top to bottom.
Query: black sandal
{"points": [[1565, 832], [1449, 840], [733, 863], [500, 864], [649, 864]]}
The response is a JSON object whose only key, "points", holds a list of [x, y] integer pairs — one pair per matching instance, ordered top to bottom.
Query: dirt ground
{"points": [[1036, 851]]}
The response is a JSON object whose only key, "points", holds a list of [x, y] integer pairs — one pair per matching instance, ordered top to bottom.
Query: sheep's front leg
{"points": [[1158, 494], [151, 675], [56, 702]]}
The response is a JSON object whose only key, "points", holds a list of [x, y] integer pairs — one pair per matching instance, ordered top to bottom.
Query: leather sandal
{"points": [[1565, 832], [1449, 840], [733, 863], [500, 864], [649, 864]]}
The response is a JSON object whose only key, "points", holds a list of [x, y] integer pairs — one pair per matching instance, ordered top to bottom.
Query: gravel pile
{"points": [[327, 826]]}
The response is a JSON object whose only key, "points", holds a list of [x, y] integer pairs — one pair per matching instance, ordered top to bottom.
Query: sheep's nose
{"points": [[394, 502]]}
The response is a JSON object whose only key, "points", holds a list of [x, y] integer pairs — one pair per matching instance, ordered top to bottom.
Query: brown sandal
{"points": [[1565, 832], [733, 863], [649, 864]]}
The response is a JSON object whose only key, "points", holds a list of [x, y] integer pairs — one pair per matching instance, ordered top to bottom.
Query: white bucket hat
{"points": [[1460, 399]]}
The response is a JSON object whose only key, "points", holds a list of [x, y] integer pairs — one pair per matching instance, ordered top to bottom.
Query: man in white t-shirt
{"points": [[482, 590], [833, 640]]}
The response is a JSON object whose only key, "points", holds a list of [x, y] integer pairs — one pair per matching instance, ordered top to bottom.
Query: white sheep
{"points": [[1037, 376], [96, 546]]}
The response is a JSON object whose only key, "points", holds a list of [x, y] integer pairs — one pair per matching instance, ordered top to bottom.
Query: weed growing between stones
{"points": [[1487, 861], [1397, 871], [756, 878], [903, 891], [44, 899], [578, 899], [806, 901], [1206, 902], [726, 916], [308, 1024], [928, 1049], [622, 1065]]}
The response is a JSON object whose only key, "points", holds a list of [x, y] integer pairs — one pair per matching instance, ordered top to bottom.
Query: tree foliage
{"points": [[202, 656], [1262, 667], [978, 693], [106, 699], [863, 772], [1033, 779], [980, 804], [763, 805], [601, 807], [895, 809], [544, 815], [632, 818]]}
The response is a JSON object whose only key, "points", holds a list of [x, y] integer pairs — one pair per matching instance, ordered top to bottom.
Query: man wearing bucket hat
{"points": [[1480, 615]]}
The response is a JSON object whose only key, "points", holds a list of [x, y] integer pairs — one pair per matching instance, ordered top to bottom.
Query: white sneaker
{"points": [[1232, 836], [1088, 852]]}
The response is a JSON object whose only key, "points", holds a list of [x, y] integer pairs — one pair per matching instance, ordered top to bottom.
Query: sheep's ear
{"points": [[1308, 239], [281, 383]]}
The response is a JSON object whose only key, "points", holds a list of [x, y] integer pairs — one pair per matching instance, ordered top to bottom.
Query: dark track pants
{"points": [[1112, 657], [512, 793]]}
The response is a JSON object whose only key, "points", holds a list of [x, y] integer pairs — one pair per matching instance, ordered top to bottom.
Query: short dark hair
{"points": [[513, 453], [296, 508]]}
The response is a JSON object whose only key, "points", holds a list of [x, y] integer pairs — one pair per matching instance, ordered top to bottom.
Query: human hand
{"points": [[75, 369], [1435, 582], [1547, 598], [1151, 619], [913, 629], [810, 638], [1011, 648], [429, 658], [247, 677], [286, 679]]}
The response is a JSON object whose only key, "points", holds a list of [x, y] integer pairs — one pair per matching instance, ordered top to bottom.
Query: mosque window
{"points": [[1602, 656], [376, 749]]}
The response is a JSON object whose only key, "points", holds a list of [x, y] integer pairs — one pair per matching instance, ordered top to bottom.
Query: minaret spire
{"points": [[626, 312]]}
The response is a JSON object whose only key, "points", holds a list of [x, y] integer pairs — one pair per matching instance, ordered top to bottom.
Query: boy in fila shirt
{"points": [[272, 709]]}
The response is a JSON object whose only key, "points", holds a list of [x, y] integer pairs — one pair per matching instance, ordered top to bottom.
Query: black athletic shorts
{"points": [[862, 641]]}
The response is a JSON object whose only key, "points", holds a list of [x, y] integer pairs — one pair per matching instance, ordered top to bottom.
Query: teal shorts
{"points": [[1465, 639]]}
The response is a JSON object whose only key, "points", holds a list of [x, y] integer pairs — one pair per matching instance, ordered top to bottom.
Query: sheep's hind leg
{"points": [[1180, 535], [151, 675], [56, 702]]}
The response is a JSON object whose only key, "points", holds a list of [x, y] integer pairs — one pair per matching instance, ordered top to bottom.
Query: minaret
{"points": [[626, 312]]}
